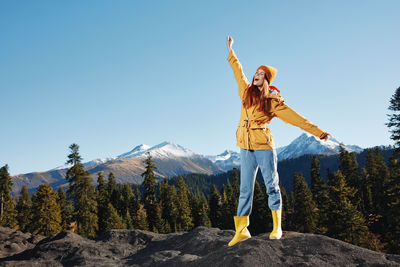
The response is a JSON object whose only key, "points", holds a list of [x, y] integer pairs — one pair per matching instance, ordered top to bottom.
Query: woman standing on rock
{"points": [[260, 103]]}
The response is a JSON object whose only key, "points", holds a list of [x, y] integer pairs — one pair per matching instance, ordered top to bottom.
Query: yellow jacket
{"points": [[252, 133]]}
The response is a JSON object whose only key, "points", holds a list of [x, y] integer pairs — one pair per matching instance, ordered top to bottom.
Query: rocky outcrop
{"points": [[13, 242], [199, 247]]}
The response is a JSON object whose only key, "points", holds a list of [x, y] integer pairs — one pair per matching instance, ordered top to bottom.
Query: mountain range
{"points": [[171, 160]]}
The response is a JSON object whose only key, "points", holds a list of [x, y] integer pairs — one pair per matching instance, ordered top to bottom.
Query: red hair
{"points": [[255, 96]]}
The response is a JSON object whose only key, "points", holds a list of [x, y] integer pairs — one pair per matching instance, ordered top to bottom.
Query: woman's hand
{"points": [[229, 43], [326, 137]]}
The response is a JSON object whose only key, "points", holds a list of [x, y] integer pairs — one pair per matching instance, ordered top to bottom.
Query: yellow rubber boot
{"points": [[277, 231], [242, 233]]}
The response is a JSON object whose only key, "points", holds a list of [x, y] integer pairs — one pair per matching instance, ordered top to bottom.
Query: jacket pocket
{"points": [[260, 136]]}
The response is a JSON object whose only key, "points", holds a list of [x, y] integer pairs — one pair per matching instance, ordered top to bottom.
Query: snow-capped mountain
{"points": [[304, 144], [309, 144], [164, 149], [171, 160], [226, 160]]}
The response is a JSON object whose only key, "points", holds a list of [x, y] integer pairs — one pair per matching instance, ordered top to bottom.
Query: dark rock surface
{"points": [[13, 242], [199, 247]]}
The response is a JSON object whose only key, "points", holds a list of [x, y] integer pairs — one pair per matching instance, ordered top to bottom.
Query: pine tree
{"points": [[394, 119], [349, 168], [76, 171], [330, 177], [378, 177], [235, 182], [392, 187], [235, 191], [113, 192], [83, 193], [126, 194], [320, 196], [150, 200], [168, 201], [229, 201], [102, 204], [215, 204], [366, 205], [285, 206], [199, 207], [24, 208], [66, 208], [86, 208], [392, 210], [46, 212], [8, 213], [138, 213], [226, 214], [305, 214], [260, 215], [204, 218], [112, 219], [184, 219], [127, 220], [141, 221], [289, 221], [346, 222], [373, 240]]}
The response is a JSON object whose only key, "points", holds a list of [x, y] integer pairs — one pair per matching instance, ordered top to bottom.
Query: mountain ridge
{"points": [[171, 160]]}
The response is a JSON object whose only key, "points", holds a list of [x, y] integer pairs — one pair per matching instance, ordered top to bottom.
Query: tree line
{"points": [[357, 206]]}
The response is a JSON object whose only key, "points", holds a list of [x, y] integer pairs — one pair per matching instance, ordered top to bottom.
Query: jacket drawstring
{"points": [[248, 125], [247, 131], [268, 137]]}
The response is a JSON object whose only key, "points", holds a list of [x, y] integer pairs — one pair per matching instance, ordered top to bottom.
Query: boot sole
{"points": [[239, 241]]}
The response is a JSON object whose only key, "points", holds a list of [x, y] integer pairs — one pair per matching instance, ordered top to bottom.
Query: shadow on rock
{"points": [[200, 247]]}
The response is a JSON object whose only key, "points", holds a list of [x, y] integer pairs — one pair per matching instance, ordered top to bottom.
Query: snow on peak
{"points": [[309, 144], [164, 149], [168, 149], [138, 150], [227, 154], [226, 160], [97, 161], [65, 166]]}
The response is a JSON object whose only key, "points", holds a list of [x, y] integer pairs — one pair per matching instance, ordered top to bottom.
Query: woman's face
{"points": [[259, 78]]}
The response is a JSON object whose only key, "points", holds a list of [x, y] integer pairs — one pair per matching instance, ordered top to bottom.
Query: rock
{"points": [[14, 241], [200, 247]]}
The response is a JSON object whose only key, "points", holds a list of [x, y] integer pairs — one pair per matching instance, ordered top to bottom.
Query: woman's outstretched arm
{"points": [[241, 79], [289, 115]]}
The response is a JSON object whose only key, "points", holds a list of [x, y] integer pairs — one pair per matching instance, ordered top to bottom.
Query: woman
{"points": [[260, 103]]}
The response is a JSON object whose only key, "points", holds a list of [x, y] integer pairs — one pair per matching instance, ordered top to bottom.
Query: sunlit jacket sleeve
{"points": [[241, 79], [288, 115]]}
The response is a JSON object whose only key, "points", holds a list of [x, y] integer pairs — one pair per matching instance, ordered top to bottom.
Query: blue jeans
{"points": [[250, 160]]}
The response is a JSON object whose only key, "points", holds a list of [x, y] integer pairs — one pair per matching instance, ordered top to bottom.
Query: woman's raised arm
{"points": [[241, 79]]}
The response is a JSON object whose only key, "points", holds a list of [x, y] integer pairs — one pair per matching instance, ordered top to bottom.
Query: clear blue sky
{"points": [[110, 75]]}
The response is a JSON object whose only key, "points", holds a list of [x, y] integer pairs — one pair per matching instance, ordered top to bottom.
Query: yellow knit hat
{"points": [[269, 71]]}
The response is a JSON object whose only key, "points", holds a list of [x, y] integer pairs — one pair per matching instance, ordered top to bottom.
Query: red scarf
{"points": [[274, 88]]}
